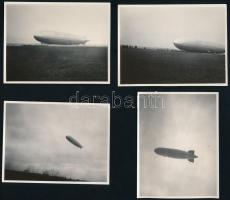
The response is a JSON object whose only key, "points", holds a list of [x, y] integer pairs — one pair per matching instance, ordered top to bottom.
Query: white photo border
{"points": [[57, 82], [173, 84], [107, 182], [139, 196]]}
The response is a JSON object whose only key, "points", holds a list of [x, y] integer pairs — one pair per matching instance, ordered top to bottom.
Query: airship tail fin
{"points": [[191, 153]]}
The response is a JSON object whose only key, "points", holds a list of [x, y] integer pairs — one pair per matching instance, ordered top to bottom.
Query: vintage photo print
{"points": [[53, 42], [174, 45], [66, 143], [178, 145]]}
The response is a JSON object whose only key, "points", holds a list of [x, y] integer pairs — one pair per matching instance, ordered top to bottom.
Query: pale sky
{"points": [[89, 20], [158, 26], [188, 122], [35, 139]]}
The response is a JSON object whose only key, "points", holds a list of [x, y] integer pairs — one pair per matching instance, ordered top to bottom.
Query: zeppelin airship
{"points": [[56, 38], [198, 46], [74, 141], [176, 153]]}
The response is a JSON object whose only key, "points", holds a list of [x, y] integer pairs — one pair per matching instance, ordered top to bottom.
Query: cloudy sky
{"points": [[90, 20], [158, 26], [188, 122], [35, 139]]}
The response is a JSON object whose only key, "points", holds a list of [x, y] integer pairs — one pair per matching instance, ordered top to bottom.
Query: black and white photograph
{"points": [[53, 42], [174, 45], [64, 143], [178, 145]]}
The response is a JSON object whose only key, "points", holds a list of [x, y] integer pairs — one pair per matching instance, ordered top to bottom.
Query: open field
{"points": [[56, 63], [162, 66], [30, 176]]}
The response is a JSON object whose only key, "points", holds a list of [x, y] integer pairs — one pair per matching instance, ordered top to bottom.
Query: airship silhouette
{"points": [[57, 38], [198, 46], [74, 141], [176, 153]]}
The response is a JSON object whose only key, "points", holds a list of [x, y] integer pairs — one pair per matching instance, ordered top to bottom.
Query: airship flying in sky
{"points": [[57, 38], [198, 46], [74, 141], [176, 153]]}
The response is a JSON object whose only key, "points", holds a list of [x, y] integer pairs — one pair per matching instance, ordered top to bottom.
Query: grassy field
{"points": [[56, 63], [158, 66], [29, 176]]}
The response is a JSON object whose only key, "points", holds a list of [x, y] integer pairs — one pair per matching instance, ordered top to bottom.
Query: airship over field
{"points": [[56, 38], [198, 46], [74, 141], [176, 153]]}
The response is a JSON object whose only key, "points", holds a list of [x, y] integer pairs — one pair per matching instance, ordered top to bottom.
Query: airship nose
{"points": [[36, 37], [177, 41], [156, 150]]}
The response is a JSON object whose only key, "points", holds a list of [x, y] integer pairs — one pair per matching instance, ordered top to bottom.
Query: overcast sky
{"points": [[90, 20], [158, 26], [188, 122], [35, 139]]}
